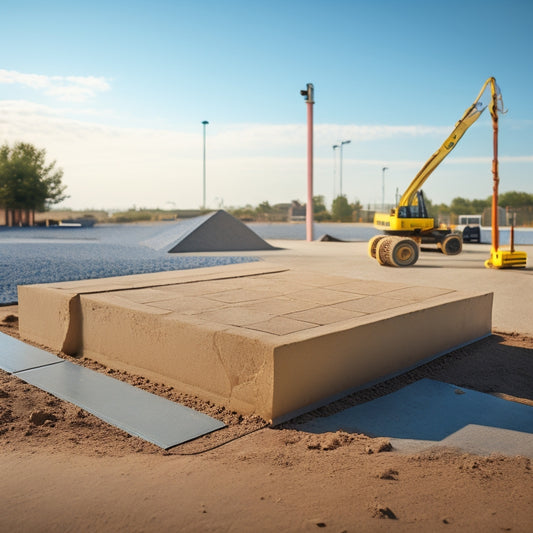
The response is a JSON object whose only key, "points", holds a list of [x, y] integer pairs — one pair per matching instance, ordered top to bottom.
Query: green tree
{"points": [[27, 182], [514, 199], [319, 204], [478, 204], [462, 206], [264, 207], [263, 210], [341, 210], [356, 210], [438, 211], [320, 212], [246, 213]]}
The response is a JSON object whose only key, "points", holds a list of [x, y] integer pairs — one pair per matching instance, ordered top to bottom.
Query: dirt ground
{"points": [[62, 469]]}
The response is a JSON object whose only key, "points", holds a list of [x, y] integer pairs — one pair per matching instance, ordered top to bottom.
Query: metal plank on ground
{"points": [[16, 355], [429, 412], [140, 413]]}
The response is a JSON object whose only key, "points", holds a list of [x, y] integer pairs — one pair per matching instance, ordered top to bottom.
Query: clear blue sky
{"points": [[116, 92]]}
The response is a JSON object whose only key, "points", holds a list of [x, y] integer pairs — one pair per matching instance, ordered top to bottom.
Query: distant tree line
{"points": [[28, 183], [463, 206], [341, 210], [344, 211]]}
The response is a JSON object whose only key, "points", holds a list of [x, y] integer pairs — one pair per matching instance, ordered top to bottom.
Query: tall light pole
{"points": [[309, 95], [205, 123], [341, 145], [335, 146], [383, 188]]}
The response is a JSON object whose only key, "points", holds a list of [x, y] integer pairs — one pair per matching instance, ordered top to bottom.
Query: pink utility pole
{"points": [[309, 95]]}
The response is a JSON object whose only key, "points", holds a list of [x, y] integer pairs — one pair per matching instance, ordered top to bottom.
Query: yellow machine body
{"points": [[392, 223], [506, 259]]}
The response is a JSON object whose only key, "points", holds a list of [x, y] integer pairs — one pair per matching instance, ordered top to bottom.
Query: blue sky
{"points": [[116, 92]]}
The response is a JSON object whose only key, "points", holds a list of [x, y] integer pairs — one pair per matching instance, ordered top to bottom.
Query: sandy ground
{"points": [[62, 469]]}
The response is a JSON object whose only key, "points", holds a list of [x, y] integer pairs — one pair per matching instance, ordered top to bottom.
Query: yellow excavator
{"points": [[408, 225]]}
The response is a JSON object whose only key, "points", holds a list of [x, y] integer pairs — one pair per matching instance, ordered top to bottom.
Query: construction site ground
{"points": [[286, 478]]}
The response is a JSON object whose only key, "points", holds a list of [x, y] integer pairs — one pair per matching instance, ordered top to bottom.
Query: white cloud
{"points": [[34, 81], [90, 82], [64, 88], [70, 93], [360, 133], [292, 135], [114, 167]]}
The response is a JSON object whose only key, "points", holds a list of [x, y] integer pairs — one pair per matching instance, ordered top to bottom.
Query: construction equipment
{"points": [[408, 225], [500, 258]]}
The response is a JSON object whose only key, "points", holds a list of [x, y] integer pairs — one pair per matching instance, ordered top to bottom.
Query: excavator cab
{"points": [[417, 210]]}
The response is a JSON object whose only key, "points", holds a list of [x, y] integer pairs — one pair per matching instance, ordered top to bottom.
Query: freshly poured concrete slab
{"points": [[51, 310], [255, 337], [16, 356], [137, 412], [428, 413]]}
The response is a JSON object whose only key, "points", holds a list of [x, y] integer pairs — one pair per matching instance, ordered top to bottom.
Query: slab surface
{"points": [[258, 338], [428, 413]]}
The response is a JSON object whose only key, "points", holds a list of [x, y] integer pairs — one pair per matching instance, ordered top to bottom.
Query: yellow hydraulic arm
{"points": [[409, 197], [403, 219]]}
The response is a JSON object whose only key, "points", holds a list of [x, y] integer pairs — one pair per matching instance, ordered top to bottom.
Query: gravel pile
{"points": [[46, 255]]}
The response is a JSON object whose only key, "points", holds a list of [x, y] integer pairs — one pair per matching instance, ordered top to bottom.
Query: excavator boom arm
{"points": [[470, 116]]}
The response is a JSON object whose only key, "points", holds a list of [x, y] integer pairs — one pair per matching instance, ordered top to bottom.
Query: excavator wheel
{"points": [[452, 244], [372, 245], [383, 250], [404, 253]]}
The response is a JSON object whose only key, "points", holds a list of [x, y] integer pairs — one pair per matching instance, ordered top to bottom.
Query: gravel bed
{"points": [[46, 255]]}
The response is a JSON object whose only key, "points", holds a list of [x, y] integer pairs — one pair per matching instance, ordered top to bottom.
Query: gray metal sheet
{"points": [[16, 355], [137, 412], [430, 412]]}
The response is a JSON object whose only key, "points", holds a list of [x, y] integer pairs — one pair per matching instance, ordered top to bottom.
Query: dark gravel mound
{"points": [[46, 255]]}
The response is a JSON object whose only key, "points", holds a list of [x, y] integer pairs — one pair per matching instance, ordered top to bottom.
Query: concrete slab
{"points": [[512, 312], [323, 315], [58, 328], [260, 338], [16, 356], [137, 412], [429, 413]]}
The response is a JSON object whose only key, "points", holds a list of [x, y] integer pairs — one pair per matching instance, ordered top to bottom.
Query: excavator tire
{"points": [[452, 244], [372, 245], [383, 250], [404, 253]]}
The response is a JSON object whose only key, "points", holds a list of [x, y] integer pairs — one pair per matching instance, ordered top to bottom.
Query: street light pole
{"points": [[309, 95], [205, 123], [341, 145], [335, 146], [383, 188]]}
